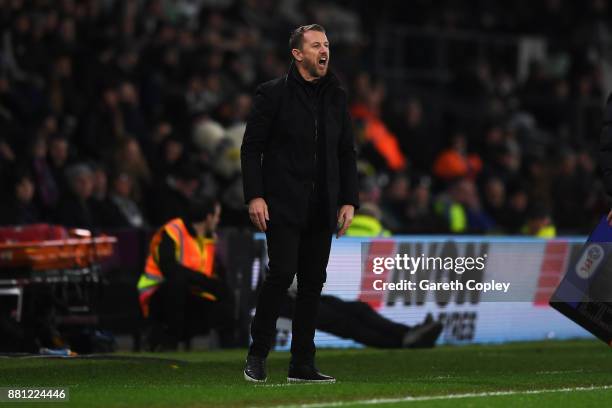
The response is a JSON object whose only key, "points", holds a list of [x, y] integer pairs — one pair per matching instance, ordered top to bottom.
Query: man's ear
{"points": [[297, 54]]}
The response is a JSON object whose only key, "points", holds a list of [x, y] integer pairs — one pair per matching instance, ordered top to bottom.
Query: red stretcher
{"points": [[43, 246], [51, 254]]}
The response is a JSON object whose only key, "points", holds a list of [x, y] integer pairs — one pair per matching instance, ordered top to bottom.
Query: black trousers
{"points": [[292, 250], [184, 314], [358, 321]]}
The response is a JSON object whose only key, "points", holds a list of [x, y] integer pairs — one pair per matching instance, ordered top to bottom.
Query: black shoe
{"points": [[428, 319], [423, 336], [159, 339], [255, 369], [307, 373]]}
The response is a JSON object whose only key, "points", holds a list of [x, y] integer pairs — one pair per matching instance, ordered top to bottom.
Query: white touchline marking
{"points": [[561, 371], [287, 384], [443, 397]]}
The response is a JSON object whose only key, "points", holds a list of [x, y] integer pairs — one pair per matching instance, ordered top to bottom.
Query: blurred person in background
{"points": [[203, 94], [64, 97], [240, 109], [131, 112], [105, 127], [162, 130], [418, 138], [378, 144], [171, 152], [58, 157], [129, 159], [7, 162], [456, 162], [505, 163], [540, 177], [572, 181], [369, 188], [47, 190], [172, 196], [394, 200], [494, 202], [100, 203], [460, 205], [518, 205], [19, 208], [74, 208], [419, 211], [127, 212], [367, 223], [539, 223], [182, 290]]}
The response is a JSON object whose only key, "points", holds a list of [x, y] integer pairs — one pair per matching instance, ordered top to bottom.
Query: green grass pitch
{"points": [[538, 374]]}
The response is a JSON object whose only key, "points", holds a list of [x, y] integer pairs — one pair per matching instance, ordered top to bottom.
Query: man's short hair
{"points": [[296, 39], [77, 170], [201, 207]]}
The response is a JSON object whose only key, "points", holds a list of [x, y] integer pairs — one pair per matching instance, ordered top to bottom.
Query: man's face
{"points": [[314, 55], [59, 151], [84, 185], [123, 185], [187, 187], [24, 190]]}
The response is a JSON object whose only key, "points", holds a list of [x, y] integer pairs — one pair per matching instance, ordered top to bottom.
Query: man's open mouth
{"points": [[323, 61]]}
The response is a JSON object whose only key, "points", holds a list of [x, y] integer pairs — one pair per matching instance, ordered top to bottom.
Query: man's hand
{"points": [[258, 213], [345, 217], [610, 218]]}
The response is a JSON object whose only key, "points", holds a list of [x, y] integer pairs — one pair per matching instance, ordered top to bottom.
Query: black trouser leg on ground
{"points": [[292, 250], [371, 318], [357, 321]]}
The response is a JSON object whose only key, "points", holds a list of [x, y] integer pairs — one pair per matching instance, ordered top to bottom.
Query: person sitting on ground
{"points": [[357, 320]]}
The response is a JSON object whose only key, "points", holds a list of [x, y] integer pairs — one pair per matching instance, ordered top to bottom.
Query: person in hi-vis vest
{"points": [[181, 291]]}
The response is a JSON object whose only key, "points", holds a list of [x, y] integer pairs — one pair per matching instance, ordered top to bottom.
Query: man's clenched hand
{"points": [[258, 213], [345, 218]]}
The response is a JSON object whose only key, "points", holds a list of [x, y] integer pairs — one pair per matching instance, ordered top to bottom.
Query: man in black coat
{"points": [[300, 182]]}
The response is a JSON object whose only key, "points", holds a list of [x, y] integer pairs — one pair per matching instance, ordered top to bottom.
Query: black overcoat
{"points": [[279, 149]]}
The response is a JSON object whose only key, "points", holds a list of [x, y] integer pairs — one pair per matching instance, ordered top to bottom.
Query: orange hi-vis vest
{"points": [[197, 254]]}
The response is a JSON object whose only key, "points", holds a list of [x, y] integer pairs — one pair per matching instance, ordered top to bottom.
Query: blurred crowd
{"points": [[115, 113]]}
